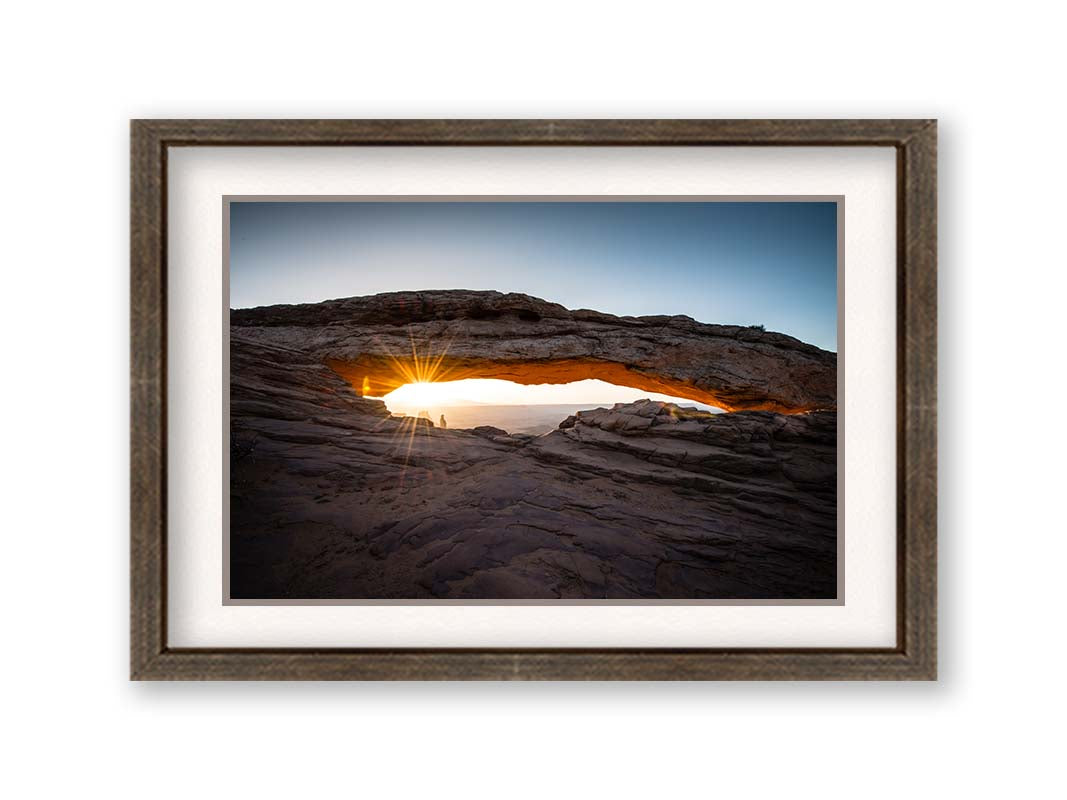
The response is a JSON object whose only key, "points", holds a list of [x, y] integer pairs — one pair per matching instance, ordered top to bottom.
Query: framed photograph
{"points": [[529, 399]]}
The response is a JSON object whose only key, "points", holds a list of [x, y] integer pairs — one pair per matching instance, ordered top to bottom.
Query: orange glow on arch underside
{"points": [[378, 376], [477, 380]]}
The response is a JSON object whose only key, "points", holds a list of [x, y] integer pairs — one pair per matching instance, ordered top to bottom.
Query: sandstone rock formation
{"points": [[381, 342], [333, 497]]}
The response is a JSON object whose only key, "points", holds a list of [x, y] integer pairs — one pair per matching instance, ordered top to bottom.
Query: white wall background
{"points": [[73, 73]]}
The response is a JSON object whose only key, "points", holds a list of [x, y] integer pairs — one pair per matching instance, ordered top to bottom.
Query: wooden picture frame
{"points": [[915, 654]]}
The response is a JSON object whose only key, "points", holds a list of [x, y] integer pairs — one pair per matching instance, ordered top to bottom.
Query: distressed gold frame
{"points": [[913, 658]]}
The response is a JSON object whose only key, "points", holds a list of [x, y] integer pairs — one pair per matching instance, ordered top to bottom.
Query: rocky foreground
{"points": [[333, 497]]}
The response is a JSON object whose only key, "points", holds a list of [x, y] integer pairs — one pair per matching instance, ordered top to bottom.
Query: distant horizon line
{"points": [[475, 404]]}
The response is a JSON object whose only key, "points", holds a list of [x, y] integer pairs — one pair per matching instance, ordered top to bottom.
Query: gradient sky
{"points": [[771, 264]]}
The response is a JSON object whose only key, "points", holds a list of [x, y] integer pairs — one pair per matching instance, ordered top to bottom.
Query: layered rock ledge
{"points": [[384, 341]]}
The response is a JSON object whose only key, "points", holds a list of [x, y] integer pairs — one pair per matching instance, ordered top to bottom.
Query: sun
{"points": [[420, 393], [423, 395]]}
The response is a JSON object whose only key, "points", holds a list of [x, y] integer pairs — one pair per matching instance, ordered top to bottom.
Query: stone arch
{"points": [[382, 342]]}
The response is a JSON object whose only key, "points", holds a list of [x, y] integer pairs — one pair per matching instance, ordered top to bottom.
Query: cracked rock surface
{"points": [[333, 497]]}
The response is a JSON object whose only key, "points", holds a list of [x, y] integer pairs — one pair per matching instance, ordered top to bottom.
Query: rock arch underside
{"points": [[334, 497]]}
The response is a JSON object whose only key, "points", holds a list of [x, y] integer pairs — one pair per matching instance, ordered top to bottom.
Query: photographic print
{"points": [[561, 399]]}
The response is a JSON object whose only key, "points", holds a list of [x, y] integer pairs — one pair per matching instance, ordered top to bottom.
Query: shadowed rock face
{"points": [[381, 342], [332, 497]]}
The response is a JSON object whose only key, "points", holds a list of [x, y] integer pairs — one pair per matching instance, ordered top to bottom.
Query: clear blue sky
{"points": [[771, 264]]}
